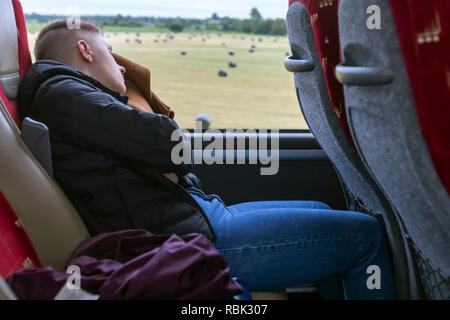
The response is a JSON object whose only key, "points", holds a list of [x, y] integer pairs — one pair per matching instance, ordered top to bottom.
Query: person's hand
{"points": [[172, 176], [191, 180]]}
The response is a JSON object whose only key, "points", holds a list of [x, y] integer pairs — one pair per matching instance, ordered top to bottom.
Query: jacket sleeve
{"points": [[95, 120]]}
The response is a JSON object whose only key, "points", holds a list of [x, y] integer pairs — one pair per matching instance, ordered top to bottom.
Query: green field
{"points": [[259, 93]]}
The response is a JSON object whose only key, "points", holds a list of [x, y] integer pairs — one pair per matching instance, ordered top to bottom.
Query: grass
{"points": [[259, 93]]}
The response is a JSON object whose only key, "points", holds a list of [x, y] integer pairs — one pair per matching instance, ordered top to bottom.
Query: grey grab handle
{"points": [[297, 65], [363, 76]]}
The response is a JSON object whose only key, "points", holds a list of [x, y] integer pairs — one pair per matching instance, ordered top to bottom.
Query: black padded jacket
{"points": [[108, 157]]}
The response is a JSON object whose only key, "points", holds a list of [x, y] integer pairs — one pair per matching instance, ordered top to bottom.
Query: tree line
{"points": [[255, 24]]}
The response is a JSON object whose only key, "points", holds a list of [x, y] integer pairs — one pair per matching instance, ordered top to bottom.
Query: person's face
{"points": [[104, 68]]}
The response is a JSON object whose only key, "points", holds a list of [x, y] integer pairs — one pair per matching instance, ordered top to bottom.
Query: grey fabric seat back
{"points": [[316, 106], [386, 130]]}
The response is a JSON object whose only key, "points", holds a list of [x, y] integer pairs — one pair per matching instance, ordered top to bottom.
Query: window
{"points": [[186, 54]]}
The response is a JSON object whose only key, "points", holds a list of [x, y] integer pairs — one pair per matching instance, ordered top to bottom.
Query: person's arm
{"points": [[97, 121]]}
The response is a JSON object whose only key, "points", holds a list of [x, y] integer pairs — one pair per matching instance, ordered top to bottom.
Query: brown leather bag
{"points": [[141, 97]]}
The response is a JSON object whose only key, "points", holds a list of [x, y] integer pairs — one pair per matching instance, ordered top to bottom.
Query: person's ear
{"points": [[84, 50]]}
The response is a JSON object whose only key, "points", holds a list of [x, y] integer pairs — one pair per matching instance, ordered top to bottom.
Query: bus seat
{"points": [[314, 38], [395, 73], [50, 221]]}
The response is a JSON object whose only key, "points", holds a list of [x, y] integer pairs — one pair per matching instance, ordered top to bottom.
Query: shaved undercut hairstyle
{"points": [[56, 41]]}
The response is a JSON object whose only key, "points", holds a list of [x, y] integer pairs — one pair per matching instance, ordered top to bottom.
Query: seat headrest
{"points": [[9, 58]]}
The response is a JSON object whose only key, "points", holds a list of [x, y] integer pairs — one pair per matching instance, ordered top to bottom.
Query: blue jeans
{"points": [[282, 244]]}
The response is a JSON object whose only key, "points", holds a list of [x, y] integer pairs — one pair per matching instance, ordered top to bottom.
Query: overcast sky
{"points": [[161, 8]]}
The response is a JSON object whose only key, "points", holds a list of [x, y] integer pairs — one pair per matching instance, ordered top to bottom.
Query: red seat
{"points": [[326, 33], [425, 42], [396, 85], [16, 249]]}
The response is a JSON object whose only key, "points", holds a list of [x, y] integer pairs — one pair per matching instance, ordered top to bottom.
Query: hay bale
{"points": [[251, 50], [183, 53], [231, 53], [232, 64], [223, 73], [202, 121]]}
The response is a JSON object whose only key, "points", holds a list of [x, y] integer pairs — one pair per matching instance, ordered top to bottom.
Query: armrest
{"points": [[36, 137]]}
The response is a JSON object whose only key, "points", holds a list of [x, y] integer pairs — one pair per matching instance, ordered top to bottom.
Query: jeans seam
{"points": [[292, 243]]}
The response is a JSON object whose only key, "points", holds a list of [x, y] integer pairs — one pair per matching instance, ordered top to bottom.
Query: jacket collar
{"points": [[67, 69]]}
